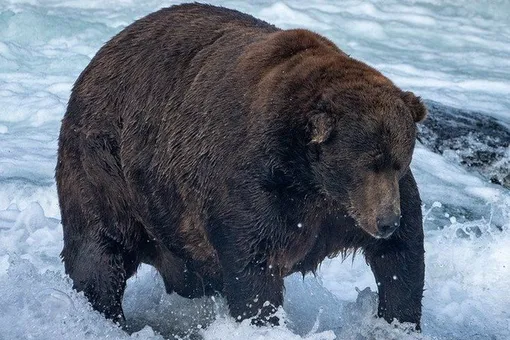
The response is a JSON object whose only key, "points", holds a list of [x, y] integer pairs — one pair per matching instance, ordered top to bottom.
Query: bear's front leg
{"points": [[398, 262], [252, 289]]}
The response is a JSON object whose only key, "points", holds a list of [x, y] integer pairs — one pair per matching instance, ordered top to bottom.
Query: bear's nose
{"points": [[387, 225]]}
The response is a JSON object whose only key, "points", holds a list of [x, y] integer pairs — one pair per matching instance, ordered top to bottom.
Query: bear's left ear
{"points": [[416, 106], [320, 126]]}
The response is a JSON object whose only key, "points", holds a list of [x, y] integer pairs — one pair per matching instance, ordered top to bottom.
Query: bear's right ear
{"points": [[416, 106], [320, 126]]}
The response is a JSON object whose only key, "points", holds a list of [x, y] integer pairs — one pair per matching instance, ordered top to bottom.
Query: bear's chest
{"points": [[319, 236]]}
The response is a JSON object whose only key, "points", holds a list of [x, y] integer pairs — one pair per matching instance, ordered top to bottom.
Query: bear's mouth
{"points": [[379, 223], [368, 225], [378, 232]]}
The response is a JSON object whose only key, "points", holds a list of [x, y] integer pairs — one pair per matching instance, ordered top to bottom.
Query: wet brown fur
{"points": [[199, 138]]}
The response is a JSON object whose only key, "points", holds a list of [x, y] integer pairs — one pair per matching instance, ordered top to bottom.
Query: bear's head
{"points": [[356, 126], [363, 138]]}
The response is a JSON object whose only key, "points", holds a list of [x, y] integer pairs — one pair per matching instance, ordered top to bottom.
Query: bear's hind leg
{"points": [[101, 237], [100, 269]]}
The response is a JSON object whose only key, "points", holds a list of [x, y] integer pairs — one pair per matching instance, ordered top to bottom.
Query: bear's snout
{"points": [[375, 205], [387, 224]]}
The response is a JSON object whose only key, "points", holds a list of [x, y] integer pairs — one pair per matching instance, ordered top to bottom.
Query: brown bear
{"points": [[228, 154]]}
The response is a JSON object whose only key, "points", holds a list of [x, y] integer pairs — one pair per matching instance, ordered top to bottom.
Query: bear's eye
{"points": [[377, 163], [397, 166]]}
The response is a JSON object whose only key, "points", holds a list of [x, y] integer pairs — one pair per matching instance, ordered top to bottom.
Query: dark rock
{"points": [[473, 139]]}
